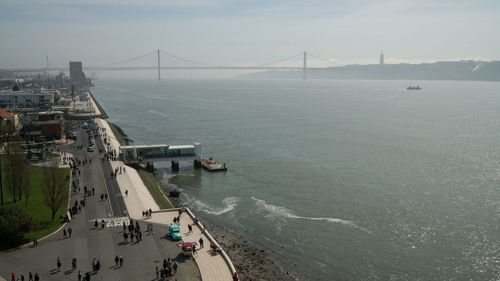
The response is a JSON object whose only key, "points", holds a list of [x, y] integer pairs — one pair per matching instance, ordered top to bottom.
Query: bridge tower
{"points": [[304, 67], [159, 77]]}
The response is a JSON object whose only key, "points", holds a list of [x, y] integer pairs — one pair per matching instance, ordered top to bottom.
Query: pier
{"points": [[149, 153]]}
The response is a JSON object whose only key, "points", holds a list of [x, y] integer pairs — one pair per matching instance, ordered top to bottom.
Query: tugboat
{"points": [[414, 88]]}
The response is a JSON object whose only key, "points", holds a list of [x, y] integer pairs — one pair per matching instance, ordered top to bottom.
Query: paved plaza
{"points": [[127, 198], [88, 242]]}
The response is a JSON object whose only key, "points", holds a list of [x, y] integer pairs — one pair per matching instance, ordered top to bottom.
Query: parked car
{"points": [[71, 135], [174, 232]]}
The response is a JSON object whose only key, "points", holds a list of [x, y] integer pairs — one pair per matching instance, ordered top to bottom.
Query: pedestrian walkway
{"points": [[135, 194], [138, 198], [212, 266]]}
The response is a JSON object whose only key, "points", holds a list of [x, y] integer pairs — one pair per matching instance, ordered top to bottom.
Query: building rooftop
{"points": [[25, 92], [4, 113], [170, 147]]}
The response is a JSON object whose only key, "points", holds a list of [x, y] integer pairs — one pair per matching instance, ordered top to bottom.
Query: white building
{"points": [[13, 100]]}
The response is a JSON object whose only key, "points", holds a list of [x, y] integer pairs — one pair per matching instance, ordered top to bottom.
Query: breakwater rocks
{"points": [[252, 261]]}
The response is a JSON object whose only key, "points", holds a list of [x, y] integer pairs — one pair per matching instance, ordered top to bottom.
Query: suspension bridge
{"points": [[192, 65]]}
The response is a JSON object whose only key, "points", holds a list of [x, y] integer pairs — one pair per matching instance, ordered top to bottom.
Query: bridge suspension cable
{"points": [[322, 59], [130, 60], [186, 60], [281, 60]]}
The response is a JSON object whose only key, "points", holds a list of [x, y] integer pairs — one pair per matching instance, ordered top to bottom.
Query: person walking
{"points": [[126, 193], [96, 224], [102, 224], [190, 228], [70, 231], [125, 237], [201, 242], [116, 261], [121, 261], [73, 263], [58, 264], [174, 266], [157, 273], [79, 275], [13, 276], [30, 276], [87, 276], [37, 277]]}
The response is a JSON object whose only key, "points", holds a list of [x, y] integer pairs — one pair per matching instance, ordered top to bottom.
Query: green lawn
{"points": [[118, 135], [154, 189], [36, 207]]}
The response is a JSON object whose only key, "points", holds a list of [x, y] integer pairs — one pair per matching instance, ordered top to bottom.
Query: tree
{"points": [[16, 171], [55, 187], [26, 190], [14, 222]]}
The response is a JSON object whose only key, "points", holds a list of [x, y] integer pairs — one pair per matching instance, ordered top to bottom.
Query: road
{"points": [[86, 243]]}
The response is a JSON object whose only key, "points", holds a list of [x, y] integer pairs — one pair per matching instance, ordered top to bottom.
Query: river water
{"points": [[347, 179]]}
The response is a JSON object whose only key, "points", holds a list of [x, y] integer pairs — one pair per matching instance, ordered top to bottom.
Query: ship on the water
{"points": [[414, 88]]}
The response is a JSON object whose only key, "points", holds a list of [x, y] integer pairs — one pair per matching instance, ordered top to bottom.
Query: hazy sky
{"points": [[241, 32]]}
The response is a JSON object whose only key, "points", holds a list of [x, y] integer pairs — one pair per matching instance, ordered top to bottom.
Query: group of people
{"points": [[104, 196], [147, 213], [96, 224], [133, 232], [67, 234], [118, 260], [96, 265], [168, 269], [31, 277]]}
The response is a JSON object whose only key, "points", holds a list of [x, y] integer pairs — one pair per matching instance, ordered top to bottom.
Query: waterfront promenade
{"points": [[127, 198], [103, 243], [212, 266]]}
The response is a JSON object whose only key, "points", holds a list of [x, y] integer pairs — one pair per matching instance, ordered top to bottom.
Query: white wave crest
{"points": [[165, 97], [158, 113], [229, 205], [284, 212]]}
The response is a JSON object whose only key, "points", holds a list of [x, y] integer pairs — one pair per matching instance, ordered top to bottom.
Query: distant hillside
{"points": [[460, 70]]}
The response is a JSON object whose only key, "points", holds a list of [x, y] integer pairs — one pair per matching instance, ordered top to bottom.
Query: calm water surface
{"points": [[350, 180]]}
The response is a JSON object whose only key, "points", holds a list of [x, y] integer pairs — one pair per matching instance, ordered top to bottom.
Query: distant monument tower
{"points": [[381, 57]]}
